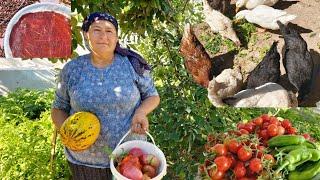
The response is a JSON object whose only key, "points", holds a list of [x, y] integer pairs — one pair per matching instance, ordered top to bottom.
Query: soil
{"points": [[307, 24]]}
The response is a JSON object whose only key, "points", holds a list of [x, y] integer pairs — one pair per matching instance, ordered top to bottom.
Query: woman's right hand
{"points": [[140, 123]]}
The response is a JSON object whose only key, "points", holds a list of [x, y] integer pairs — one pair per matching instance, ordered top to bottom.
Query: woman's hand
{"points": [[140, 123]]}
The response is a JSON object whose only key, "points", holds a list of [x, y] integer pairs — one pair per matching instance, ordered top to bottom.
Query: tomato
{"points": [[265, 117], [274, 120], [258, 121], [286, 124], [240, 125], [265, 125], [249, 127], [272, 130], [281, 130], [292, 130], [243, 131], [264, 134], [307, 136], [233, 145], [219, 149], [260, 150], [244, 153], [269, 157], [232, 159], [223, 163], [255, 165], [239, 170], [250, 173], [215, 174]]}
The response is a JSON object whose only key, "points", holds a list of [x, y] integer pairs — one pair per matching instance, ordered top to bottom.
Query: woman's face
{"points": [[102, 37]]}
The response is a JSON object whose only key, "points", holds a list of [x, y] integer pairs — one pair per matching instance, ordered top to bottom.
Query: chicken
{"points": [[250, 4], [219, 5], [265, 16], [219, 23], [197, 61], [297, 61], [268, 70], [226, 84], [267, 95]]}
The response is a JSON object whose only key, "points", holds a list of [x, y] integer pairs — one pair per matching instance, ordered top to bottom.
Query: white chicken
{"points": [[250, 4], [266, 16], [219, 23], [226, 84], [267, 95]]}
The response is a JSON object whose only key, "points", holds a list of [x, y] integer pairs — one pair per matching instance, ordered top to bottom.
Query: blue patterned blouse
{"points": [[112, 94]]}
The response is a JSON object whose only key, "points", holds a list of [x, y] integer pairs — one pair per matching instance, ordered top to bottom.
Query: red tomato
{"points": [[265, 117], [274, 120], [258, 121], [286, 124], [240, 125], [265, 125], [249, 127], [272, 130], [281, 130], [292, 130], [243, 131], [264, 134], [307, 136], [233, 145], [219, 149], [260, 150], [244, 153], [269, 157], [232, 159], [223, 163], [255, 165], [239, 170], [250, 173], [215, 174], [251, 178]]}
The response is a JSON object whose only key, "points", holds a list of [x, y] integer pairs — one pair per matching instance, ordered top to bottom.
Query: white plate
{"points": [[37, 7]]}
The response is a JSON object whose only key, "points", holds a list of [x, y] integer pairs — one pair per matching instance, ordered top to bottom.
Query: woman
{"points": [[113, 83]]}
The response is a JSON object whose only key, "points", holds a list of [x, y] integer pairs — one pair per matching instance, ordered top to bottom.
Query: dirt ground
{"points": [[307, 23]]}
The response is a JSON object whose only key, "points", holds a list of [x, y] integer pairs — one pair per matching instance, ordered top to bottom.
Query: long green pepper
{"points": [[286, 140], [294, 156], [306, 174]]}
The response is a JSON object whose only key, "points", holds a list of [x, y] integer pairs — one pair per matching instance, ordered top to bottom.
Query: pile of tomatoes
{"points": [[243, 153], [138, 165]]}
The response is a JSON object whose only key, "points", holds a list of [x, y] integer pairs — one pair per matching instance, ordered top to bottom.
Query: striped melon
{"points": [[80, 131]]}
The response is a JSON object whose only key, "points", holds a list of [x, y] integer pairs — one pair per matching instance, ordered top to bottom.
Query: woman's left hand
{"points": [[140, 123]]}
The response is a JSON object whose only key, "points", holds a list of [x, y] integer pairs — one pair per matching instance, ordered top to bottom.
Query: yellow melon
{"points": [[80, 131]]}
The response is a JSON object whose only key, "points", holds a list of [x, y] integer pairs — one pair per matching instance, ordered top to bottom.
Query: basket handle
{"points": [[124, 136]]}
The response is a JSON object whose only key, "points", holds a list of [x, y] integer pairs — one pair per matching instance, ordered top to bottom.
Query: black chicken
{"points": [[297, 61], [268, 70]]}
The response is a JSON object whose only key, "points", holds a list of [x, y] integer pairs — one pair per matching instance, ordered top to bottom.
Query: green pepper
{"points": [[286, 140], [310, 144], [287, 149], [315, 154], [310, 155], [294, 157], [292, 167], [306, 174], [316, 177]]}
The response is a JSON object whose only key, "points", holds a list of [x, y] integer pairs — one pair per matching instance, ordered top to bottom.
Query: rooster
{"points": [[197, 61]]}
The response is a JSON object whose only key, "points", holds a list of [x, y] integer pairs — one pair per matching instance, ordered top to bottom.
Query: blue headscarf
{"points": [[139, 64]]}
